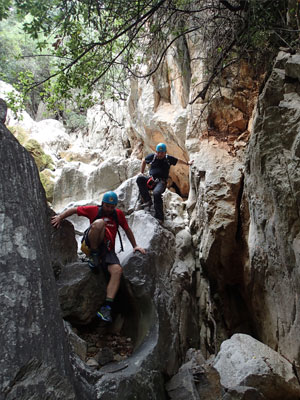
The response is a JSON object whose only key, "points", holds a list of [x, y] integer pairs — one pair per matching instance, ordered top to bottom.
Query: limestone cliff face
{"points": [[158, 113], [213, 133], [246, 238], [272, 276]]}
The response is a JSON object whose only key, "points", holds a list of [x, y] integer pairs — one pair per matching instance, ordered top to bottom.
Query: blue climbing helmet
{"points": [[161, 147], [110, 198]]}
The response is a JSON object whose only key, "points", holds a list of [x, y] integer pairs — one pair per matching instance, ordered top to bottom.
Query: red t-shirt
{"points": [[111, 226]]}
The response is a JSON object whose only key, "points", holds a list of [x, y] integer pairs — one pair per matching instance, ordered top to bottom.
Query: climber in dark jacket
{"points": [[160, 163]]}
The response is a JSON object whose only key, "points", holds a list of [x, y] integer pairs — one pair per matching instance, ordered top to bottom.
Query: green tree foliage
{"points": [[4, 8], [98, 44], [20, 64]]}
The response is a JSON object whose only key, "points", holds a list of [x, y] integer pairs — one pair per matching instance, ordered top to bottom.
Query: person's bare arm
{"points": [[184, 162], [143, 166], [56, 219], [131, 239]]}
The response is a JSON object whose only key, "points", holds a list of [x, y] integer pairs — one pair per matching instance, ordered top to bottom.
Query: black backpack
{"points": [[115, 218]]}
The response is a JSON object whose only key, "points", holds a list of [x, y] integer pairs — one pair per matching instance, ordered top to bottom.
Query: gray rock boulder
{"points": [[3, 110], [63, 245], [80, 292], [34, 354], [244, 361], [195, 380], [243, 393]]}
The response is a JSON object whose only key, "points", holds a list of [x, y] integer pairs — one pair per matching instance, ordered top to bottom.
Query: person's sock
{"points": [[109, 302]]}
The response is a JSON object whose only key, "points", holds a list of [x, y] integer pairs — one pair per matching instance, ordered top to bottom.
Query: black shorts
{"points": [[108, 257]]}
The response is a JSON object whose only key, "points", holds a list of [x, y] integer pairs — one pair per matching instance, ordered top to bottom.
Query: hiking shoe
{"points": [[147, 204], [141, 205], [93, 261], [105, 313]]}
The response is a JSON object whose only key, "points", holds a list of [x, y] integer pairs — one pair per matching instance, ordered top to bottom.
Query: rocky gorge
{"points": [[212, 310]]}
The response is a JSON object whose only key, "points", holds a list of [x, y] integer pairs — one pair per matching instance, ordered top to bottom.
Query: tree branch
{"points": [[242, 6], [99, 44]]}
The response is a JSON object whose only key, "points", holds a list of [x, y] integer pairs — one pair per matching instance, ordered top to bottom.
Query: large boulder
{"points": [[80, 181], [215, 207], [63, 245], [80, 292], [159, 295], [35, 360], [244, 361]]}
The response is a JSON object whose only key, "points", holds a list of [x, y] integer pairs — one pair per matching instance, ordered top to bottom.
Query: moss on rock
{"points": [[19, 133], [42, 159], [47, 180]]}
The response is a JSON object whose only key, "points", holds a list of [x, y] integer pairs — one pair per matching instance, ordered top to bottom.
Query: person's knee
{"points": [[140, 179], [98, 225], [96, 232], [116, 270]]}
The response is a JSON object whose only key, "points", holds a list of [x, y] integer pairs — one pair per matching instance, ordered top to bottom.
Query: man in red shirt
{"points": [[100, 239]]}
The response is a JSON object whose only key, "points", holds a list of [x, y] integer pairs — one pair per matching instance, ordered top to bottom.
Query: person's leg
{"points": [[142, 185], [158, 201], [96, 234], [95, 239], [115, 270]]}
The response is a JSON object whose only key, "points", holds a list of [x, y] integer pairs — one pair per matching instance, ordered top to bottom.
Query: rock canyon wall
{"points": [[221, 276]]}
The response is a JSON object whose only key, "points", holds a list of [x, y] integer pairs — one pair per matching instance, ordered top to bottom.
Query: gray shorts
{"points": [[108, 257]]}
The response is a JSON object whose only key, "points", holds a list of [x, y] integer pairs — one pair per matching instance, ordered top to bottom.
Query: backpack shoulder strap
{"points": [[153, 159], [167, 159], [99, 215], [115, 217]]}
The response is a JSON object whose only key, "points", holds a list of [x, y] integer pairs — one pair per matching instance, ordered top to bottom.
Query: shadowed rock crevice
{"points": [[224, 253], [226, 279], [81, 293]]}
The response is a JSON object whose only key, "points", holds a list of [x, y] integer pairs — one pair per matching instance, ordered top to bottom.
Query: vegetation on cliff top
{"points": [[92, 44]]}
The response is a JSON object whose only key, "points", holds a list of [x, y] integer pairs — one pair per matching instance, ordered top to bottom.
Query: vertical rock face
{"points": [[158, 111], [216, 185], [272, 279], [34, 356]]}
